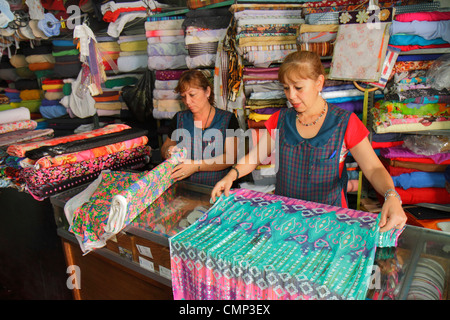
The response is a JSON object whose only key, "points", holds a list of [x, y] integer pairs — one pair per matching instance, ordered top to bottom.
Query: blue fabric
{"points": [[426, 29], [411, 40], [50, 112], [420, 180]]}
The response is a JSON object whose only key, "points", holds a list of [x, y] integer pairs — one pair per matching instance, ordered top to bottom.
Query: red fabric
{"points": [[53, 5], [111, 16], [423, 16], [415, 47], [52, 81], [256, 125], [378, 145], [421, 160], [396, 171], [424, 195]]}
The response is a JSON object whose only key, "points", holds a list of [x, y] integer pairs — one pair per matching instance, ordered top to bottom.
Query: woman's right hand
{"points": [[171, 150], [223, 186]]}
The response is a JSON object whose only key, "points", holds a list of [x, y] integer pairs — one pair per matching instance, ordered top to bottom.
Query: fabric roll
{"points": [[164, 25], [134, 46], [167, 49], [38, 58], [18, 61], [167, 62], [132, 63], [33, 94], [112, 105], [51, 112], [13, 115], [17, 125], [10, 138], [89, 143], [19, 150], [48, 161], [42, 183], [114, 200]]}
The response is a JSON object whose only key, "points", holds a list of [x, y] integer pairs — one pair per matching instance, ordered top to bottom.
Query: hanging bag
{"points": [[139, 98]]}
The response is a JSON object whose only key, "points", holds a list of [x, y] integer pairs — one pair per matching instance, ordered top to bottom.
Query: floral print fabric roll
{"points": [[114, 200]]}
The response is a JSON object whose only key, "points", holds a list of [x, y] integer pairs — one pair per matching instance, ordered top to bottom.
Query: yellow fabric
{"points": [[134, 46]]}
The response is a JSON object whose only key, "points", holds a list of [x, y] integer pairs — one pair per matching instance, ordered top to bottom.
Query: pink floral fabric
{"points": [[359, 52], [17, 125], [42, 183]]}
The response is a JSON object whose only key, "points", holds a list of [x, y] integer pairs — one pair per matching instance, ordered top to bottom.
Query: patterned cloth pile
{"points": [[254, 245]]}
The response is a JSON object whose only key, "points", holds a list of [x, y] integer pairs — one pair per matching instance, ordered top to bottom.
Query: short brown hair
{"points": [[301, 64], [194, 78]]}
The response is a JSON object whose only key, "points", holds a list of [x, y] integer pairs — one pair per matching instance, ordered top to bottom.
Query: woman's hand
{"points": [[171, 150], [183, 170], [223, 186], [392, 215]]}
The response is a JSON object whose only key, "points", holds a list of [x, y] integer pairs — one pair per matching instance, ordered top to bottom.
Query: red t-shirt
{"points": [[356, 131]]}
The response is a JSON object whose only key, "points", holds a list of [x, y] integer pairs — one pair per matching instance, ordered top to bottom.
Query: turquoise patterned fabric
{"points": [[253, 245]]}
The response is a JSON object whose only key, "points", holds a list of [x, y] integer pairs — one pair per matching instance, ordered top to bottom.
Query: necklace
{"points": [[315, 121], [206, 123]]}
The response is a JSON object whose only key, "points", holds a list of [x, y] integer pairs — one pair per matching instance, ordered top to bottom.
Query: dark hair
{"points": [[301, 64], [194, 78]]}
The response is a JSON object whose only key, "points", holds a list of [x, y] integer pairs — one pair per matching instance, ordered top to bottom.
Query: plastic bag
{"points": [[438, 76], [139, 98], [427, 145]]}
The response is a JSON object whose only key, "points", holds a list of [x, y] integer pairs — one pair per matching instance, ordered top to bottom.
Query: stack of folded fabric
{"points": [[119, 13], [204, 29], [420, 30], [319, 32], [267, 36], [165, 43], [109, 50], [133, 53], [40, 59], [67, 59], [19, 62], [7, 70], [53, 93], [264, 94], [30, 95], [13, 96], [110, 102], [166, 103], [393, 116], [52, 165], [418, 172], [353, 176]]}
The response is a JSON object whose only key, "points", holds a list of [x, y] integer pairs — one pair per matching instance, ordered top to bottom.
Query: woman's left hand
{"points": [[182, 171], [392, 215]]}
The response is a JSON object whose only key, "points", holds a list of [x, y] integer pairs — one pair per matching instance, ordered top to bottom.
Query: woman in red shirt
{"points": [[313, 140]]}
